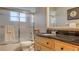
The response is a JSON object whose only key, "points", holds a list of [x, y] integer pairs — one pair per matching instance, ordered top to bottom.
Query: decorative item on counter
{"points": [[72, 25], [36, 30], [49, 31], [53, 32]]}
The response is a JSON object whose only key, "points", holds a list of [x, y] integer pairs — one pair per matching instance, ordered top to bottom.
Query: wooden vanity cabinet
{"points": [[48, 44]]}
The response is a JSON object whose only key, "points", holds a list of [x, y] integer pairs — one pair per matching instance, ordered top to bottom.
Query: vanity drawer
{"points": [[46, 42], [61, 46]]}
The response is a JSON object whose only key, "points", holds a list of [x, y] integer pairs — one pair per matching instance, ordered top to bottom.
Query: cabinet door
{"points": [[46, 42], [61, 46], [37, 47]]}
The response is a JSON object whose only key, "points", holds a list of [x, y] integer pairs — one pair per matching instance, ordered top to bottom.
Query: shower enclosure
{"points": [[16, 26]]}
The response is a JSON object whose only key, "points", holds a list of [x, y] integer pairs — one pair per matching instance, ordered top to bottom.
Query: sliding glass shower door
{"points": [[15, 27], [8, 28], [26, 28]]}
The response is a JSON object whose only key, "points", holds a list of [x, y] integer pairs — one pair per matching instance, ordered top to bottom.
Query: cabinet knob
{"points": [[47, 43], [61, 48]]}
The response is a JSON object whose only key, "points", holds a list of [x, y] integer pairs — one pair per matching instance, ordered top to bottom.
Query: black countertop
{"points": [[64, 38]]}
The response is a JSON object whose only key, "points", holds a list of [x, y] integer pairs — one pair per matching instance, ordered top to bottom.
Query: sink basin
{"points": [[47, 34]]}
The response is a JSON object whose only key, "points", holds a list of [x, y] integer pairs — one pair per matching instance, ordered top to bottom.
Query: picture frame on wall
{"points": [[73, 14]]}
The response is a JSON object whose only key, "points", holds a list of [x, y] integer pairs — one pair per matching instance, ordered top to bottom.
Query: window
{"points": [[16, 16], [22, 17], [14, 19]]}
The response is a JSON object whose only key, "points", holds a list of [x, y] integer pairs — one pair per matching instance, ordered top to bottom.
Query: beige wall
{"points": [[61, 16], [40, 19]]}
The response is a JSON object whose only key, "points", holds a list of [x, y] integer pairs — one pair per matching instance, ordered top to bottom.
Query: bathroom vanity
{"points": [[64, 40]]}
